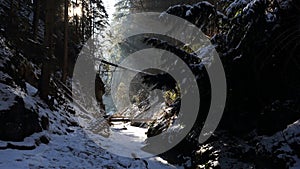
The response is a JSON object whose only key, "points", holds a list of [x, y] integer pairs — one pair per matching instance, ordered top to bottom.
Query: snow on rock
{"points": [[285, 4], [234, 6], [188, 13], [4, 51], [30, 89], [7, 98], [17, 121], [41, 136], [68, 145], [283, 146], [280, 150], [225, 151]]}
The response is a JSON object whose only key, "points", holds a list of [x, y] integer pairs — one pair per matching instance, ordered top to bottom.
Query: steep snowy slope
{"points": [[40, 136]]}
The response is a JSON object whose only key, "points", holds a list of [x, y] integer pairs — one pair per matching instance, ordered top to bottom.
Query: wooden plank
{"points": [[123, 67], [113, 119]]}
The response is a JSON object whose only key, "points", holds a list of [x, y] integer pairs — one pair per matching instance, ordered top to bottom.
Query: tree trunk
{"points": [[12, 12], [36, 17], [13, 21], [82, 21], [48, 45], [65, 64], [45, 80], [99, 91]]}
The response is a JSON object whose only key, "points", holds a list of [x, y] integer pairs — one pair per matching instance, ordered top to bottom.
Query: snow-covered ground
{"points": [[126, 140], [69, 145], [74, 150]]}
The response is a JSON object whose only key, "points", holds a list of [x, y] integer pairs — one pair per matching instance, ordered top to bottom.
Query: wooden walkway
{"points": [[127, 119]]}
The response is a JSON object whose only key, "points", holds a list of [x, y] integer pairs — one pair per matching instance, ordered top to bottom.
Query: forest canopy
{"points": [[257, 41]]}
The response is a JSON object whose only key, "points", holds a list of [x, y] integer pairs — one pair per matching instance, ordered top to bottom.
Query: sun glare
{"points": [[109, 7], [75, 10]]}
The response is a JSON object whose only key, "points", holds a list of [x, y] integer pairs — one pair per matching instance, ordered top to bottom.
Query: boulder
{"points": [[18, 122]]}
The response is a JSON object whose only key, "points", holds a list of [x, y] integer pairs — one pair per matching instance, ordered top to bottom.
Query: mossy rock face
{"points": [[18, 122]]}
